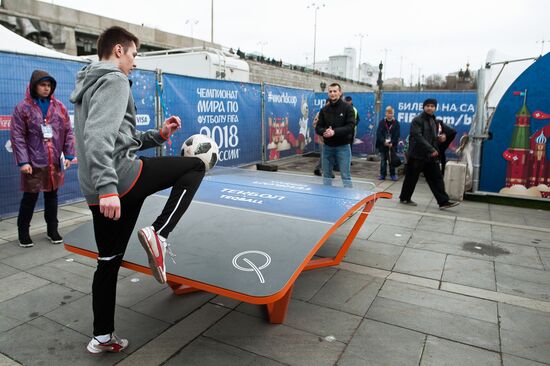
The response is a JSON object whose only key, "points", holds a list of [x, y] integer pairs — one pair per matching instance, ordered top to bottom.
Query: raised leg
{"points": [[277, 310]]}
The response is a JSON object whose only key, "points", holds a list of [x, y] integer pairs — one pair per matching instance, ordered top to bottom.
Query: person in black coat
{"points": [[387, 138], [423, 157]]}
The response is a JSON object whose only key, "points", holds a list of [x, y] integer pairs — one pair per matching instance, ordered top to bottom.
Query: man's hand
{"points": [[170, 126], [329, 132], [442, 138], [388, 144], [434, 154], [67, 164], [26, 169], [110, 207]]}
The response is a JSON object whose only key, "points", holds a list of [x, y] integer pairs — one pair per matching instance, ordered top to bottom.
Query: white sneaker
{"points": [[155, 248], [115, 344]]}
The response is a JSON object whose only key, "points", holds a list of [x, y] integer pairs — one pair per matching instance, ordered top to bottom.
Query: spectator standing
{"points": [[336, 125], [387, 138], [43, 146]]}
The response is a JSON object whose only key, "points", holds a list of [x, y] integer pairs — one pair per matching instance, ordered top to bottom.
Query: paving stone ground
{"points": [[419, 286]]}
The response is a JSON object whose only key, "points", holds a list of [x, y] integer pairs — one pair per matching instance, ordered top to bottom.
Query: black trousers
{"points": [[431, 171], [184, 175], [26, 211]]}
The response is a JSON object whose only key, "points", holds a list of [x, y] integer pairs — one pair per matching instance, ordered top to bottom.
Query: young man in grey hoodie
{"points": [[115, 182]]}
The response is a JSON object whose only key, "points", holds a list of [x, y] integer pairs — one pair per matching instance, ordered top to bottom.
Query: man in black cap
{"points": [[423, 155]]}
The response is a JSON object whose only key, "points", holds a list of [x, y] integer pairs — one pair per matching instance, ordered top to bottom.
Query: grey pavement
{"points": [[419, 286]]}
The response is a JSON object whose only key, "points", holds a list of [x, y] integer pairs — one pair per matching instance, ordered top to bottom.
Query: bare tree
{"points": [[435, 81]]}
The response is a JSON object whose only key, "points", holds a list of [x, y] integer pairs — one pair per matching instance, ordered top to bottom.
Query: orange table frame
{"points": [[277, 304]]}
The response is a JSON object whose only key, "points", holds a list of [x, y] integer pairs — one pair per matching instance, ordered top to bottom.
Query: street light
{"points": [[315, 6], [212, 22], [191, 23], [361, 36], [262, 44], [542, 46], [386, 50], [306, 54]]}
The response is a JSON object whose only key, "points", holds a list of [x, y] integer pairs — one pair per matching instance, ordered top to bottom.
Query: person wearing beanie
{"points": [[429, 101], [387, 138], [43, 146], [423, 157]]}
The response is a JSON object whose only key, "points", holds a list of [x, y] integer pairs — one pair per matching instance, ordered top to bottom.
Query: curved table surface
{"points": [[246, 232]]}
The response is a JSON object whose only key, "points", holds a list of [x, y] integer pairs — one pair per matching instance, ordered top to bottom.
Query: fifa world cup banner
{"points": [[15, 73], [144, 91], [456, 109], [228, 112], [288, 121], [365, 132], [515, 160]]}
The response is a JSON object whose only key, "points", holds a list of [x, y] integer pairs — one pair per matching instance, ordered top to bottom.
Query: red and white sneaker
{"points": [[155, 247], [115, 344]]}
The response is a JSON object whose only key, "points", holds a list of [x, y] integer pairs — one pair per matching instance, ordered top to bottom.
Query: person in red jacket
{"points": [[43, 146]]}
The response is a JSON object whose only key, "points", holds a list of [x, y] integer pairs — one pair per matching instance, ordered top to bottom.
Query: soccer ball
{"points": [[203, 147]]}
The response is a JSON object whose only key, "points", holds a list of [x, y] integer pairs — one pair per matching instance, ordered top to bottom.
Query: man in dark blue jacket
{"points": [[336, 124], [387, 138], [424, 140]]}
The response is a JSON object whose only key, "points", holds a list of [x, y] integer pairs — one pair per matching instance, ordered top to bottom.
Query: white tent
{"points": [[14, 43]]}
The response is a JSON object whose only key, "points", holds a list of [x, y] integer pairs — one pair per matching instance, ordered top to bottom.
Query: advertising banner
{"points": [[15, 73], [144, 91], [456, 109], [229, 112], [288, 119], [515, 161]]}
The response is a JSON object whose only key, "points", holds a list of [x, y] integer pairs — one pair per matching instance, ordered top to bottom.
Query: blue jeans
{"points": [[340, 155]]}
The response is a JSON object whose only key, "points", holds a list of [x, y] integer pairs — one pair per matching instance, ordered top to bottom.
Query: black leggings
{"points": [[183, 175], [26, 211]]}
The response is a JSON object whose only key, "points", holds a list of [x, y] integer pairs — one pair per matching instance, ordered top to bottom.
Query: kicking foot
{"points": [[155, 248]]}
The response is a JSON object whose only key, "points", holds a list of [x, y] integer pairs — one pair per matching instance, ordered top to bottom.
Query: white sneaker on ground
{"points": [[115, 344]]}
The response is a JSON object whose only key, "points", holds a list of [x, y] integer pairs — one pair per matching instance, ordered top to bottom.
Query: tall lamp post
{"points": [[315, 7], [212, 21], [191, 23], [361, 36], [262, 44], [386, 50]]}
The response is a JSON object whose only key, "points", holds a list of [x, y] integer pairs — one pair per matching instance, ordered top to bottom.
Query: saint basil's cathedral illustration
{"points": [[528, 167]]}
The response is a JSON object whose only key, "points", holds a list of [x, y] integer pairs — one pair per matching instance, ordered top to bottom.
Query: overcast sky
{"points": [[426, 36]]}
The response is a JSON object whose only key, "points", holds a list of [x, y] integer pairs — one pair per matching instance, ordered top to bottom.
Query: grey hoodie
{"points": [[105, 130]]}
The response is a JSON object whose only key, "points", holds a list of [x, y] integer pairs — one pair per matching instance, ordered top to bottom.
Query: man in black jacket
{"points": [[336, 124], [424, 143]]}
